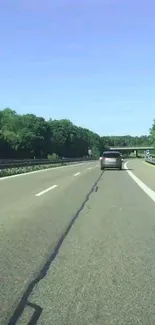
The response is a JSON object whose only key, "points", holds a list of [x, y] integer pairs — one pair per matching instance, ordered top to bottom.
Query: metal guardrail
{"points": [[150, 160], [12, 163]]}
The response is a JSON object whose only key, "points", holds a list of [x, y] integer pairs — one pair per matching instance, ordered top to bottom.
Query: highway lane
{"points": [[16, 187], [31, 225], [104, 271]]}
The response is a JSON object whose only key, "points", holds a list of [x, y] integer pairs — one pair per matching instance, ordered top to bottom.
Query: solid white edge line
{"points": [[41, 171], [76, 174], [142, 185], [47, 190]]}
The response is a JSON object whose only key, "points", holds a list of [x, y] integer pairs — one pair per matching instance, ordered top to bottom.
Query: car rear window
{"points": [[111, 154]]}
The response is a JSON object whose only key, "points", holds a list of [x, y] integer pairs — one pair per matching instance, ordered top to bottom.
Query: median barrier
{"points": [[150, 160], [12, 163]]}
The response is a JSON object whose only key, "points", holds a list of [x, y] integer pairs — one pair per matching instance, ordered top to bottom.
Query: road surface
{"points": [[77, 246]]}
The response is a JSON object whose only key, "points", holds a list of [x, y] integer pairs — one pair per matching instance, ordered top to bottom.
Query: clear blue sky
{"points": [[91, 61]]}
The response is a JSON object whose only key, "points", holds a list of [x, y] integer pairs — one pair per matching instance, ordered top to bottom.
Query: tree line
{"points": [[29, 136]]}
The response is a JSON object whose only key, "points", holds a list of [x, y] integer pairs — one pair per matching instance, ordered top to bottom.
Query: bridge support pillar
{"points": [[136, 153]]}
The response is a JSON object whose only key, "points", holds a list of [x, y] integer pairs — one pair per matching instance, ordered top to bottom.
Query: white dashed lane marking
{"points": [[77, 174], [46, 190]]}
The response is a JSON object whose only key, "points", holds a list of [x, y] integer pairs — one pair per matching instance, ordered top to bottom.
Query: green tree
{"points": [[152, 133], [28, 136], [35, 136]]}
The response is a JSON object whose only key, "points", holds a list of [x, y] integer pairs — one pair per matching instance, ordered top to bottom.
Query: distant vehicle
{"points": [[111, 159]]}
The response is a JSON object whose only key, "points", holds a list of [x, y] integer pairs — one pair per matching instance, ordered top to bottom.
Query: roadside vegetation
{"points": [[29, 136], [152, 137]]}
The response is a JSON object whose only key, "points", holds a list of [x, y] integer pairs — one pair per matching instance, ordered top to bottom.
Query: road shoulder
{"points": [[144, 171]]}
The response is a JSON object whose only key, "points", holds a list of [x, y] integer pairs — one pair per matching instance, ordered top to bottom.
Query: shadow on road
{"points": [[127, 169], [114, 170]]}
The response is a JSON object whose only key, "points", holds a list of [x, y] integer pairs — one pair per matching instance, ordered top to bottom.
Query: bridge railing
{"points": [[132, 148]]}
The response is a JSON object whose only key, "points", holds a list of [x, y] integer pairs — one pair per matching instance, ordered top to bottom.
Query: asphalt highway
{"points": [[77, 246]]}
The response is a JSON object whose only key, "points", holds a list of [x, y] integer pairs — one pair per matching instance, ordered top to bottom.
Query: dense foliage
{"points": [[152, 133], [28, 136], [152, 136]]}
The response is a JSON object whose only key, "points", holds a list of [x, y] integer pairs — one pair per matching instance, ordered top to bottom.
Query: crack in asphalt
{"points": [[42, 273]]}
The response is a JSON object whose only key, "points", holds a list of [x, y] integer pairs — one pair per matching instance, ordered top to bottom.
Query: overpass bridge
{"points": [[133, 149]]}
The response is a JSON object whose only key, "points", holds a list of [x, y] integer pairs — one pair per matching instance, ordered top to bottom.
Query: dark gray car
{"points": [[111, 159]]}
